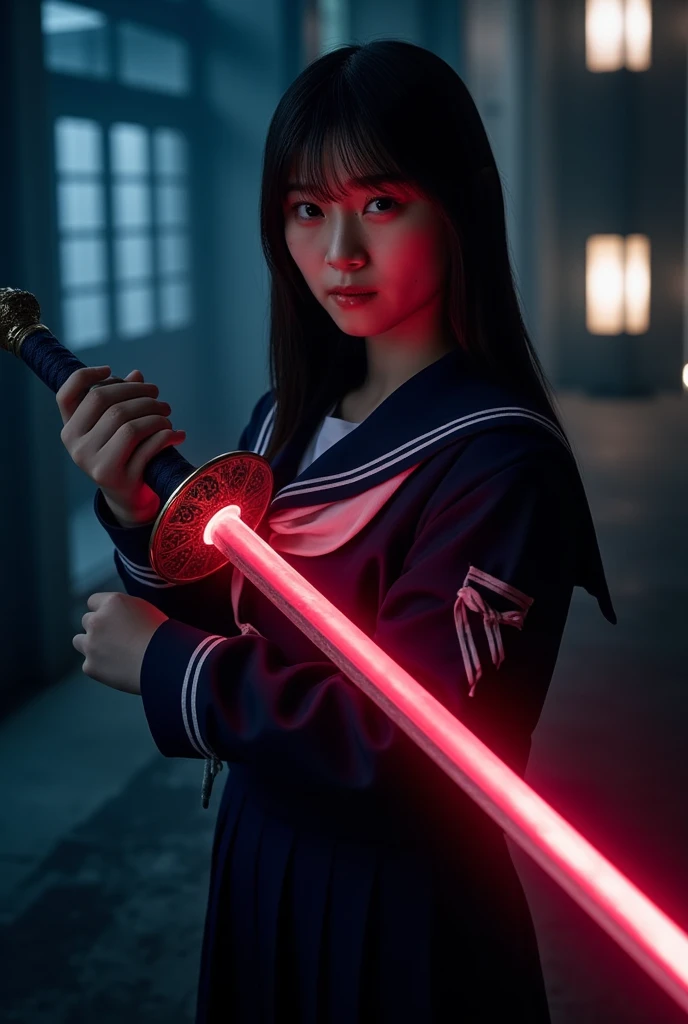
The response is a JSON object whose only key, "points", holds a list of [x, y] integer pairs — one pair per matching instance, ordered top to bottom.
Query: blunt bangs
{"points": [[339, 146]]}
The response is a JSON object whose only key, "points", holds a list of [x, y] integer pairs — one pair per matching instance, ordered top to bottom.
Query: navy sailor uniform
{"points": [[351, 879]]}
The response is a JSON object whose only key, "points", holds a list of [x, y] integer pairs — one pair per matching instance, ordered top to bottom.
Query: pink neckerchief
{"points": [[318, 529]]}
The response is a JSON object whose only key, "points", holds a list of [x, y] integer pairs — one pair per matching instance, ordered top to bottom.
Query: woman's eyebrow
{"points": [[366, 181]]}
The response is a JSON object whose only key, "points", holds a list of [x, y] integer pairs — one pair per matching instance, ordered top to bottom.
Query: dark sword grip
{"points": [[54, 364]]}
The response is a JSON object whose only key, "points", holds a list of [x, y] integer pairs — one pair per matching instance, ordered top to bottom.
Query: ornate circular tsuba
{"points": [[177, 550]]}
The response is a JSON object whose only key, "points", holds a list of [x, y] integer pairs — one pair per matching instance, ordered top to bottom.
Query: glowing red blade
{"points": [[647, 934]]}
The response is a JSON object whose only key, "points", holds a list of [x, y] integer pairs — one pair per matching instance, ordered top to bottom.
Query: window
{"points": [[75, 39], [152, 60], [120, 98], [147, 188], [171, 192], [132, 223], [81, 224]]}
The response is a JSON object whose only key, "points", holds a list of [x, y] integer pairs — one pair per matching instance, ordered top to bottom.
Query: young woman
{"points": [[424, 484]]}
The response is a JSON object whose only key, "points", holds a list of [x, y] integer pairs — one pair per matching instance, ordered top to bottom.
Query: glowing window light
{"points": [[638, 24], [618, 33], [604, 35], [617, 283], [604, 284], [637, 284], [684, 376]]}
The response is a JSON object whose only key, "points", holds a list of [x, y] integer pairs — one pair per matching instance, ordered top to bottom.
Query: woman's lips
{"points": [[351, 301]]}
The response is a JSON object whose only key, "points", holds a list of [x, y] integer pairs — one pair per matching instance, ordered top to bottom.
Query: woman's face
{"points": [[384, 237]]}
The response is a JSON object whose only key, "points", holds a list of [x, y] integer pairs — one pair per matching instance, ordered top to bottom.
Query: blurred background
{"points": [[132, 144]]}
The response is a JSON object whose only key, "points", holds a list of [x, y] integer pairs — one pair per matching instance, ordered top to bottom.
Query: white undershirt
{"points": [[331, 430]]}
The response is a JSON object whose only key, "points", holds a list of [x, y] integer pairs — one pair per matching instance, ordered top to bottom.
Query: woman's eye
{"points": [[375, 199], [384, 199], [296, 207]]}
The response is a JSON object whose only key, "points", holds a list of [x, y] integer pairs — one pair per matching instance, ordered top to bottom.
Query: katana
{"points": [[209, 516]]}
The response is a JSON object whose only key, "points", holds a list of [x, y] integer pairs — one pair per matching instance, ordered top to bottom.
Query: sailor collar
{"points": [[443, 402]]}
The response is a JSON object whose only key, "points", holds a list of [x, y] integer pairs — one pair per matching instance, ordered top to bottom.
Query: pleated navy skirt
{"points": [[309, 927]]}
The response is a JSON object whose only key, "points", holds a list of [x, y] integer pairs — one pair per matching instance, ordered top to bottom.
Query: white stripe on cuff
{"points": [[143, 574], [207, 645]]}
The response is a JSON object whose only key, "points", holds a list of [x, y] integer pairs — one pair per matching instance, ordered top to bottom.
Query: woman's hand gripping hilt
{"points": [[189, 496]]}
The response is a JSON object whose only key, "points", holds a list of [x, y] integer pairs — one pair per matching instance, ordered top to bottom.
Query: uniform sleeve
{"points": [[204, 603], [239, 699]]}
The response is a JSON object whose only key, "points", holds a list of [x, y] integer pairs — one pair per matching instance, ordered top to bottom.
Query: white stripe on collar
{"points": [[262, 442], [324, 483]]}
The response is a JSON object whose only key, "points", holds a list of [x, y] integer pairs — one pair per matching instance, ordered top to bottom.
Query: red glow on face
{"points": [[389, 238], [641, 928]]}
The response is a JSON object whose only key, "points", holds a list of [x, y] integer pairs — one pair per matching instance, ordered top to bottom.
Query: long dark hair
{"points": [[389, 106]]}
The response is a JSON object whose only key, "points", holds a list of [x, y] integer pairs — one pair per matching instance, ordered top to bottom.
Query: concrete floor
{"points": [[105, 848]]}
